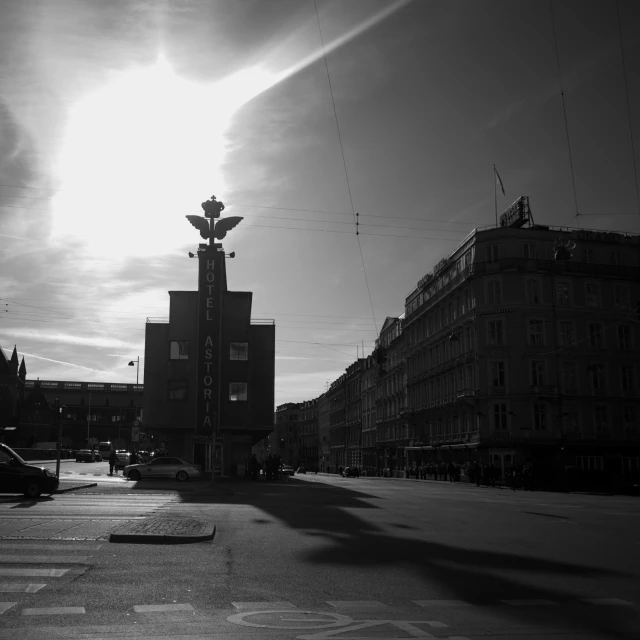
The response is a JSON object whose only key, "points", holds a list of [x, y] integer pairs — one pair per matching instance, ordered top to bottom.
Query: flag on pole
{"points": [[499, 180]]}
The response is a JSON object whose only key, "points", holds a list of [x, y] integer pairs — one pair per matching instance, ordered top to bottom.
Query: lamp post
{"points": [[136, 363]]}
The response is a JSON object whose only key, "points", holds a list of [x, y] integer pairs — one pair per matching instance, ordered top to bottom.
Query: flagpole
{"points": [[495, 195]]}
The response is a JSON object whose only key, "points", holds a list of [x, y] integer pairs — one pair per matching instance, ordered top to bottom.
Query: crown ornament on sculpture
{"points": [[208, 228]]}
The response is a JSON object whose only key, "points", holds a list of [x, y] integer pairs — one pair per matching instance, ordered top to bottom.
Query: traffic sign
{"points": [[135, 434]]}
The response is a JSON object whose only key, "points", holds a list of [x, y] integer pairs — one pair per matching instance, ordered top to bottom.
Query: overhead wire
{"points": [[344, 162]]}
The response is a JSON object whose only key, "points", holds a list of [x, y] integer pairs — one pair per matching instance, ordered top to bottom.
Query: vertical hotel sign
{"points": [[209, 301]]}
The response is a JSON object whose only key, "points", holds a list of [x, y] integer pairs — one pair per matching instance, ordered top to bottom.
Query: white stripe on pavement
{"points": [[10, 545], [43, 559], [33, 573], [20, 587], [606, 601], [528, 602], [442, 603], [369, 605], [5, 606], [263, 606], [150, 608], [52, 611]]}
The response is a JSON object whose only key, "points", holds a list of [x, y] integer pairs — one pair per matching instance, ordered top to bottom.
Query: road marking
{"points": [[9, 546], [43, 559], [33, 573], [20, 587], [606, 601], [528, 602], [442, 603], [367, 605], [5, 606], [263, 606], [149, 608], [52, 611], [307, 620]]}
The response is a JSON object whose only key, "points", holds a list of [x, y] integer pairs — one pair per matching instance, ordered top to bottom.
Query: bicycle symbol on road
{"points": [[333, 626]]}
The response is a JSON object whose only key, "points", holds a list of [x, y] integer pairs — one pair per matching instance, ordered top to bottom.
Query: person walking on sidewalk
{"points": [[112, 462]]}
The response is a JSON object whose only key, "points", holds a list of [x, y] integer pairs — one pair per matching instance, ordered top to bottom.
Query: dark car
{"points": [[85, 455], [351, 472], [17, 476]]}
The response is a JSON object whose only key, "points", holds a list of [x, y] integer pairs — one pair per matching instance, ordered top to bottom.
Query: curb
{"points": [[74, 486]]}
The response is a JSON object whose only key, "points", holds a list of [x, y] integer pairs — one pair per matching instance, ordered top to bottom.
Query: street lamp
{"points": [[136, 363]]}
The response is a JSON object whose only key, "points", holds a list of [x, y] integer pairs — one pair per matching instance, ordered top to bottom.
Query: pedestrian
{"points": [[113, 458], [133, 458], [451, 471], [478, 472], [491, 475]]}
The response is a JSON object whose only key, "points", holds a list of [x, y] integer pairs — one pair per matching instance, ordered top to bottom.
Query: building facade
{"points": [[514, 355], [209, 372], [369, 379], [337, 423], [308, 435]]}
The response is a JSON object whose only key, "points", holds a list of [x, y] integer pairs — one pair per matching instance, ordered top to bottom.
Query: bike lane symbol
{"points": [[293, 619]]}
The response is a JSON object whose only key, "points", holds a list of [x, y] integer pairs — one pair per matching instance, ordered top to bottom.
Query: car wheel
{"points": [[134, 475], [182, 476], [32, 490]]}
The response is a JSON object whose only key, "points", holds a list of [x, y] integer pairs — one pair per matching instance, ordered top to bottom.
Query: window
{"points": [[491, 253], [530, 253], [588, 255], [615, 258], [533, 291], [494, 292], [563, 294], [592, 295], [620, 296], [535, 332], [495, 333], [567, 334], [596, 335], [624, 337], [178, 350], [238, 350], [497, 370], [538, 373], [597, 376], [628, 377], [569, 382], [178, 389], [238, 391], [500, 415], [570, 415], [540, 416], [601, 418], [630, 420], [589, 463]]}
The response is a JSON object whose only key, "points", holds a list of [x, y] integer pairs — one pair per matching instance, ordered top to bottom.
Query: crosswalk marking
{"points": [[10, 546], [43, 559], [33, 573], [20, 587], [611, 601], [530, 602], [442, 603], [362, 605], [5, 606], [263, 606], [150, 608], [52, 611]]}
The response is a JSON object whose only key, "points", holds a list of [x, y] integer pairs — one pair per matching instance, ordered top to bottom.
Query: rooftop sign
{"points": [[517, 214]]}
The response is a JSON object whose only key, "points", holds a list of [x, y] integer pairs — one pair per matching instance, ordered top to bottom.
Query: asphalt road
{"points": [[319, 557]]}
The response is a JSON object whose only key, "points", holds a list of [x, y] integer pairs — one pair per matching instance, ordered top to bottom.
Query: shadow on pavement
{"points": [[472, 575]]}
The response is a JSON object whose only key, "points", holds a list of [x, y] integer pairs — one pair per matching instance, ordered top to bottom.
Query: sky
{"points": [[117, 119]]}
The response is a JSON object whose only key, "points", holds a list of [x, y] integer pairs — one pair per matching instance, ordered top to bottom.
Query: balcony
{"points": [[545, 389], [466, 393], [629, 393]]}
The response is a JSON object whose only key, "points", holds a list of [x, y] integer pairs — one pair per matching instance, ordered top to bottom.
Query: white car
{"points": [[179, 468]]}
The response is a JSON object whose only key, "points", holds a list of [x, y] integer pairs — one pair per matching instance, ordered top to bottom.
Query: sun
{"points": [[140, 154]]}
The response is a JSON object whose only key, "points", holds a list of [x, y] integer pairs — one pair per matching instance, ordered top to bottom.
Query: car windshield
{"points": [[13, 454]]}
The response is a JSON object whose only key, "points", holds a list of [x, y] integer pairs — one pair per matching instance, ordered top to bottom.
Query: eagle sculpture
{"points": [[210, 229]]}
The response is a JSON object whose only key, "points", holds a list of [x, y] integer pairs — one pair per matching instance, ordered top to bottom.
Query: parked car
{"points": [[85, 455], [98, 456], [122, 459], [178, 468], [286, 470], [301, 470], [351, 472], [17, 476]]}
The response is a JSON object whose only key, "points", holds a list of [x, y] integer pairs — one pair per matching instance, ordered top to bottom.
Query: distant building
{"points": [[518, 352], [209, 372], [12, 385], [368, 403], [337, 422], [324, 434], [308, 435], [283, 441]]}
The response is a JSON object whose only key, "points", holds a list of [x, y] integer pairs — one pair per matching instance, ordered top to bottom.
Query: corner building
{"points": [[514, 355], [209, 372]]}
